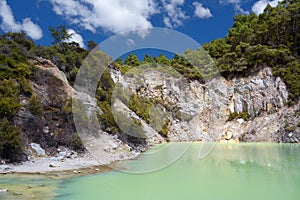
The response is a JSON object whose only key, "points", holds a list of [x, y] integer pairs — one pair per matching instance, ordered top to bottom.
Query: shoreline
{"points": [[83, 164]]}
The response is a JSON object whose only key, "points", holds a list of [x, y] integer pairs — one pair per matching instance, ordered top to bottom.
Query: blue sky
{"points": [[203, 20]]}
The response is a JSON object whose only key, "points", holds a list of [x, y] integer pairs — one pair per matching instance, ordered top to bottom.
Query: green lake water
{"points": [[229, 171]]}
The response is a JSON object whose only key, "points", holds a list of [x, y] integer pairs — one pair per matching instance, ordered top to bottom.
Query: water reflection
{"points": [[273, 156]]}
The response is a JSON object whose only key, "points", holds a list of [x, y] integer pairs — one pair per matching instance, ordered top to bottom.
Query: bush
{"points": [[25, 86], [9, 98], [35, 105], [141, 106], [67, 108], [244, 115], [232, 116], [107, 119], [290, 128], [165, 129], [10, 141], [76, 142]]}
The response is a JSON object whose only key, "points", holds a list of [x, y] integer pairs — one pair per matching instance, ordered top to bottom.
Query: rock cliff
{"points": [[242, 109], [203, 112]]}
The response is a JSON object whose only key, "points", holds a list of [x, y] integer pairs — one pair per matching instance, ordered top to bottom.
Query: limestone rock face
{"points": [[257, 94], [200, 112]]}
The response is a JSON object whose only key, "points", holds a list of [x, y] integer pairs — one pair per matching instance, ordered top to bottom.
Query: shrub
{"points": [[25, 86], [9, 98], [35, 105], [141, 106], [67, 108], [244, 115], [232, 116], [107, 119], [290, 128], [165, 129], [10, 141], [75, 142]]}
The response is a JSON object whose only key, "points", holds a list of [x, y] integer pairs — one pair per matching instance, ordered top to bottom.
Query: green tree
{"points": [[59, 33], [21, 39], [91, 45], [217, 48], [147, 59], [162, 59], [132, 60], [119, 61]]}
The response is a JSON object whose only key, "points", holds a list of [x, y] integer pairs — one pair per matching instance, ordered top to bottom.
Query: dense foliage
{"points": [[270, 39], [14, 73], [17, 74], [10, 140]]}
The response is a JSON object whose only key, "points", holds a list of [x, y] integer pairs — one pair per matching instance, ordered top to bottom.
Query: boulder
{"points": [[38, 149], [53, 165]]}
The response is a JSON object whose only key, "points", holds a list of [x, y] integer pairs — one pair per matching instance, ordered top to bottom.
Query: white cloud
{"points": [[232, 1], [178, 2], [237, 5], [260, 5], [239, 9], [200, 11], [111, 15], [174, 15], [9, 24], [75, 37], [130, 42]]}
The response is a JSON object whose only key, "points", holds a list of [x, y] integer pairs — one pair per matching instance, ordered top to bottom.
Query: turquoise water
{"points": [[229, 171], [28, 187]]}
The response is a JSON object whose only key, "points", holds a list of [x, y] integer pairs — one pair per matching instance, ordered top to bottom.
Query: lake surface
{"points": [[229, 171], [175, 172]]}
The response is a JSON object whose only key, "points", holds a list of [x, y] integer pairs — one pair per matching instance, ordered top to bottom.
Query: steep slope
{"points": [[247, 109]]}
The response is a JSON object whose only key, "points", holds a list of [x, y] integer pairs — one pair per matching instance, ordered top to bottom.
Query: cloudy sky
{"points": [[203, 20]]}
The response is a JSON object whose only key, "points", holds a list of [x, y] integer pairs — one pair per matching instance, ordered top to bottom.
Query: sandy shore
{"points": [[83, 163]]}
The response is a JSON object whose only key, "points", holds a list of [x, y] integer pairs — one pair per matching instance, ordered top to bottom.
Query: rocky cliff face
{"points": [[257, 93], [264, 98], [245, 109], [203, 112], [45, 118], [54, 128]]}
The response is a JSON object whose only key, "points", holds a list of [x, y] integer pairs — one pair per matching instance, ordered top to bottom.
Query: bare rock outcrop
{"points": [[181, 110], [200, 112]]}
